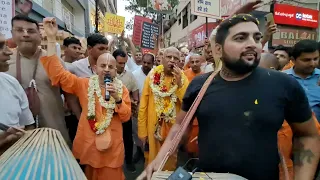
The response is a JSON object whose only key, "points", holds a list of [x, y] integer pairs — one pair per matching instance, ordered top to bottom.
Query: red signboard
{"points": [[295, 16], [137, 29], [198, 35]]}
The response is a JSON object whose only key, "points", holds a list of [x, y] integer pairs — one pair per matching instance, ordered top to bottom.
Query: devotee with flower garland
{"points": [[161, 100], [98, 142]]}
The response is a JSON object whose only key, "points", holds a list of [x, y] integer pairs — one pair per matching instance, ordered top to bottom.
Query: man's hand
{"points": [[251, 5], [25, 7], [50, 27], [270, 30], [177, 75], [113, 91], [10, 136], [143, 140], [151, 168]]}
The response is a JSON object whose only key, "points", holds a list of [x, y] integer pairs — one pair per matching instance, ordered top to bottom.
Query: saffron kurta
{"points": [[147, 118], [285, 136], [84, 147], [192, 147]]}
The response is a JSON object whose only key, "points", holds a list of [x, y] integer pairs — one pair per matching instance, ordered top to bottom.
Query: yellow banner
{"points": [[113, 23]]}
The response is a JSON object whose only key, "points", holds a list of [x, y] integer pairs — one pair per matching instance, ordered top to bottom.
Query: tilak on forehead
{"points": [[107, 56]]}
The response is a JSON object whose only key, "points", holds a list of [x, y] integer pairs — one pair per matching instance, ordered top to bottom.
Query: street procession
{"points": [[159, 89]]}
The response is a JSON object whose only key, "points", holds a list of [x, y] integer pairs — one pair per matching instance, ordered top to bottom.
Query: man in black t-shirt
{"points": [[243, 109]]}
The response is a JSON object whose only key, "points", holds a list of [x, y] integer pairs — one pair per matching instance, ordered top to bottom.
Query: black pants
{"points": [[72, 125], [127, 141]]}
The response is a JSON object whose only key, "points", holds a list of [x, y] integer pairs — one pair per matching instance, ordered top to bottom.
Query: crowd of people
{"points": [[257, 119]]}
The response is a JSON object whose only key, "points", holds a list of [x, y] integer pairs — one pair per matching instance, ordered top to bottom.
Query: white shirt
{"points": [[131, 65], [207, 67], [80, 68], [140, 78], [14, 105]]}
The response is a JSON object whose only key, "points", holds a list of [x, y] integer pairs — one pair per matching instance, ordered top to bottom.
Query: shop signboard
{"points": [[296, 16], [198, 35], [289, 36]]}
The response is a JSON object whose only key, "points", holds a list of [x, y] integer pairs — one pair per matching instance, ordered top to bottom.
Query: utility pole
{"points": [[97, 16]]}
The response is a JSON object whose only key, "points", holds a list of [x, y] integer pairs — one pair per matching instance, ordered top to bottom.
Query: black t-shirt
{"points": [[239, 121]]}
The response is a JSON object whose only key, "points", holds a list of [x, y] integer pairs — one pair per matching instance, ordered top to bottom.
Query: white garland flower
{"points": [[94, 89], [167, 113]]}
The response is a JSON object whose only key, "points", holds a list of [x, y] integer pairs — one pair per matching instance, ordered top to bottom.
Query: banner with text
{"points": [[162, 6], [206, 8], [7, 9], [113, 23], [137, 29], [149, 30]]}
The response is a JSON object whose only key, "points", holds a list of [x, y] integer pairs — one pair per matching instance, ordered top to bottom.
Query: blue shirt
{"points": [[311, 87]]}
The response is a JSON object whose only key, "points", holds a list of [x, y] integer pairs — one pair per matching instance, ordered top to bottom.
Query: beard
{"points": [[239, 66]]}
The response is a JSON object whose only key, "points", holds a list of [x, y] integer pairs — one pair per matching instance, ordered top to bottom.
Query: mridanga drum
{"points": [[40, 154], [160, 175]]}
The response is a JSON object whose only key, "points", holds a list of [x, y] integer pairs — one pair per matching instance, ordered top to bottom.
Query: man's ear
{"points": [[218, 49], [94, 68]]}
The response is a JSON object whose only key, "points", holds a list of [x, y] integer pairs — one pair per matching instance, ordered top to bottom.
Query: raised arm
{"points": [[51, 63]]}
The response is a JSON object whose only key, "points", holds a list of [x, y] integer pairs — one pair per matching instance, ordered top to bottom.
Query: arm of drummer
{"points": [[69, 82], [306, 141]]}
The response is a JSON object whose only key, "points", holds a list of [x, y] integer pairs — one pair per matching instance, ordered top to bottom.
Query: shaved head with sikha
{"points": [[269, 61], [195, 62], [106, 65]]}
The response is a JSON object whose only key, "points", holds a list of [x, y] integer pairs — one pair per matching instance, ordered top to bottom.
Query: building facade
{"points": [[109, 6], [74, 16], [182, 28]]}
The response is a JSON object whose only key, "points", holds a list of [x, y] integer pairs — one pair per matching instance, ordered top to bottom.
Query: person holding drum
{"points": [[14, 106], [105, 106], [242, 110]]}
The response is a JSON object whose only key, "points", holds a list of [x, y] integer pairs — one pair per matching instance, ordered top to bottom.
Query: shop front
{"points": [[294, 23]]}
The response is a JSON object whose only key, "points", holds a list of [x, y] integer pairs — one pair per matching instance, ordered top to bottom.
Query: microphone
{"points": [[107, 79]]}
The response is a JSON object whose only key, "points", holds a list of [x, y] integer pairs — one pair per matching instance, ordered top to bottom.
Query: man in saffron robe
{"points": [[195, 67], [193, 71], [156, 104], [100, 121]]}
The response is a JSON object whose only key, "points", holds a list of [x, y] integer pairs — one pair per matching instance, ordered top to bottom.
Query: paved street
{"points": [[139, 167]]}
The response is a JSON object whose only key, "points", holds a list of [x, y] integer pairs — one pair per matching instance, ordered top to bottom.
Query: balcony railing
{"points": [[60, 11]]}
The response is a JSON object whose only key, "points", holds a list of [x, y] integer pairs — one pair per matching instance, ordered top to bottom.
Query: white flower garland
{"points": [[94, 88], [167, 113]]}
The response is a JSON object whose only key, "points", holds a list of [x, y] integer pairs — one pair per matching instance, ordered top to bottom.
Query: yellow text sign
{"points": [[113, 23]]}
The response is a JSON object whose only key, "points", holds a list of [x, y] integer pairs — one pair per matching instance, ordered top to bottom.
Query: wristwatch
{"points": [[119, 102]]}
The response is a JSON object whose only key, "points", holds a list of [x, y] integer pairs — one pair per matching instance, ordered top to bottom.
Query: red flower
{"points": [[156, 78], [164, 89], [92, 124]]}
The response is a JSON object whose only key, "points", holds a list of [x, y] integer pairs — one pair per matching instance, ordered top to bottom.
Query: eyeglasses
{"points": [[22, 30]]}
